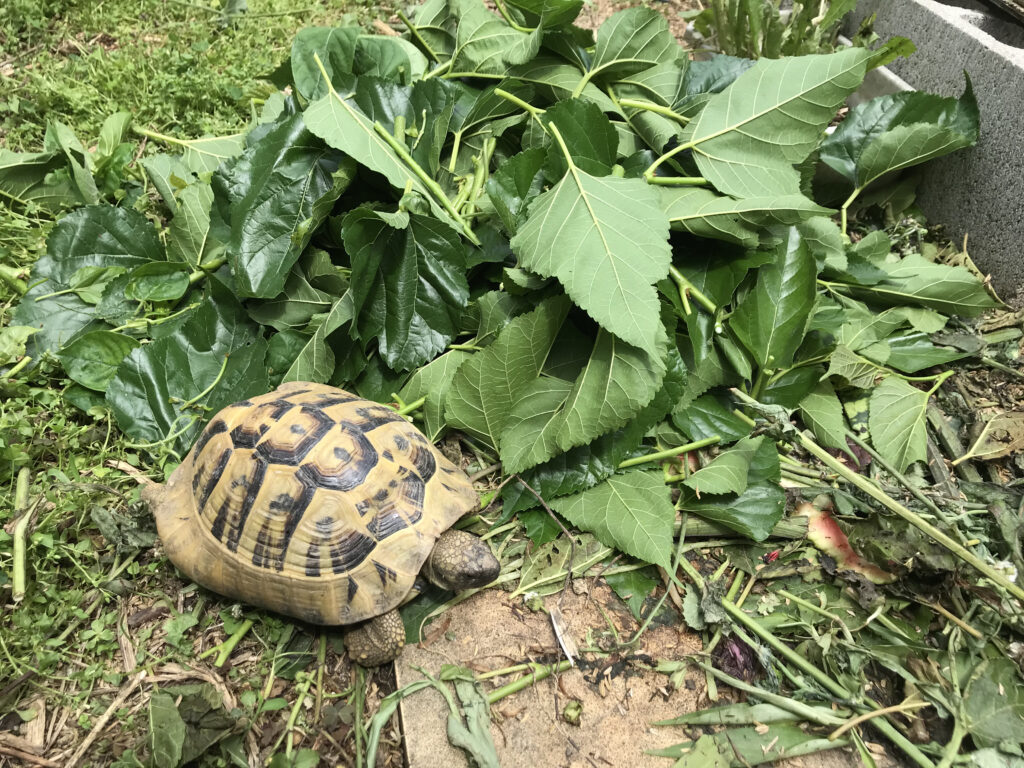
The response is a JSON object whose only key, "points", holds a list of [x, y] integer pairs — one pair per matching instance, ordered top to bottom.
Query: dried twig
{"points": [[101, 723]]}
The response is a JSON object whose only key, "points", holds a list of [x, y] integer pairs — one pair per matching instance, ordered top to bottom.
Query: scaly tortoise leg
{"points": [[378, 641]]}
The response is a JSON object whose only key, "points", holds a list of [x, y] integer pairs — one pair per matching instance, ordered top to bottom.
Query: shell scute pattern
{"points": [[312, 502]]}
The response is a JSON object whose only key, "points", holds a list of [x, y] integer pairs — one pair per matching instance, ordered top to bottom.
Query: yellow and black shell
{"points": [[311, 502]]}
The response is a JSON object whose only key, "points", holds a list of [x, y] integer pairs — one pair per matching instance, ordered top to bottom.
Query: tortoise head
{"points": [[460, 561]]}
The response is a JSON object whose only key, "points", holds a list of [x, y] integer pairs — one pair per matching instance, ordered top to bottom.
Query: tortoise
{"points": [[320, 505]]}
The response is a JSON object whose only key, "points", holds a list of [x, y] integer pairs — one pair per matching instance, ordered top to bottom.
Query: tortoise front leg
{"points": [[378, 641]]}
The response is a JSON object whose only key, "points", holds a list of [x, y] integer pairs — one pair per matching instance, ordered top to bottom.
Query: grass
{"points": [[174, 64], [101, 602]]}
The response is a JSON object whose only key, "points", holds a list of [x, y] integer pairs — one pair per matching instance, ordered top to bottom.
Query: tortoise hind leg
{"points": [[378, 641]]}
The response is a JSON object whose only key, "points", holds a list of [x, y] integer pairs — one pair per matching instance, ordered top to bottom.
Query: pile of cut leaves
{"points": [[586, 254]]}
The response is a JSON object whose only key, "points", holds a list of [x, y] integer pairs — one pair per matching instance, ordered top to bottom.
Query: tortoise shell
{"points": [[311, 502]]}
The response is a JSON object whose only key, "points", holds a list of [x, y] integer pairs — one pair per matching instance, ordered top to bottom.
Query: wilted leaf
{"points": [[1002, 435], [994, 703], [166, 731]]}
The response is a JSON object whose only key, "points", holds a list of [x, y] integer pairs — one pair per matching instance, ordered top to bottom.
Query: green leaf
{"points": [[550, 13], [631, 41], [485, 43], [336, 48], [391, 58], [558, 80], [426, 108], [344, 126], [899, 130], [588, 134], [735, 137], [206, 154], [37, 178], [514, 184], [273, 197], [706, 214], [188, 234], [95, 236], [606, 241], [158, 281], [408, 285], [947, 289], [772, 319], [12, 342], [913, 352], [92, 359], [316, 360], [857, 371], [433, 381], [488, 385], [148, 393], [823, 413], [550, 415], [708, 416], [897, 422], [586, 465], [727, 472], [631, 512], [753, 513], [633, 588], [994, 703], [166, 731], [473, 736]]}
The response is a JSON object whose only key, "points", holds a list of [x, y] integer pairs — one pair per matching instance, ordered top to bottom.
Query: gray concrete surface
{"points": [[977, 191]]}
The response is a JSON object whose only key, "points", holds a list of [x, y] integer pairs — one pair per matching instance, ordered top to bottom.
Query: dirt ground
{"points": [[620, 692]]}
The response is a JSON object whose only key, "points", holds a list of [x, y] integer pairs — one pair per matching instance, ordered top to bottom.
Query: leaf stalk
{"points": [[670, 453]]}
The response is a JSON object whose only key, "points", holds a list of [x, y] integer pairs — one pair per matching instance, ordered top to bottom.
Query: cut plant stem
{"points": [[415, 32], [650, 106], [535, 112], [424, 177], [677, 181], [670, 453], [872, 490], [20, 533], [224, 650], [538, 672], [812, 714], [908, 747]]}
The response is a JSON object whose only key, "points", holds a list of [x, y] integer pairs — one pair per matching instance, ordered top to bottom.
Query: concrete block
{"points": [[977, 191]]}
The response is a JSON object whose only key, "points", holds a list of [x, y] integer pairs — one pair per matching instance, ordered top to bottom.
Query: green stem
{"points": [[509, 20], [415, 32], [444, 70], [650, 106], [535, 112], [649, 173], [425, 179], [677, 181], [849, 201], [203, 270], [11, 277], [686, 288], [147, 323], [1000, 367], [17, 368], [209, 389], [408, 408], [190, 421], [669, 453], [900, 478], [911, 517], [20, 533], [819, 610], [224, 650], [538, 672], [828, 683], [301, 691], [360, 695], [811, 714]]}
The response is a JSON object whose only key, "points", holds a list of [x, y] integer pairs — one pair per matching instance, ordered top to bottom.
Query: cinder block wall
{"points": [[978, 191]]}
